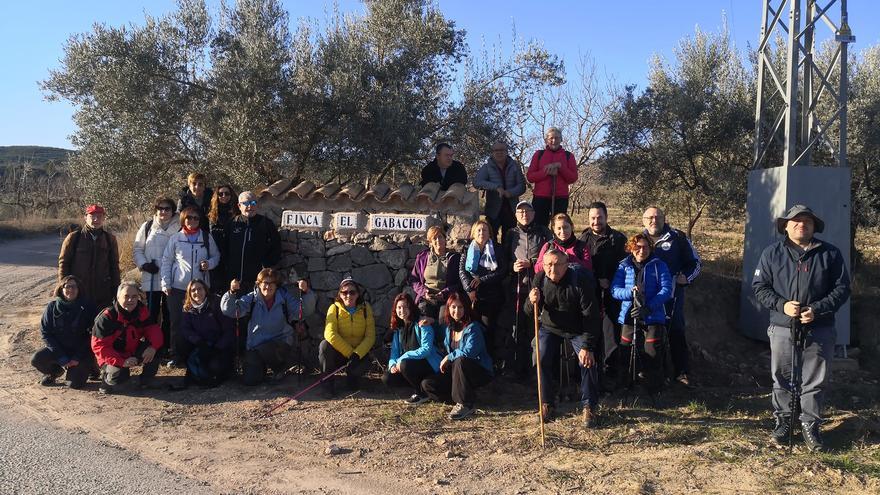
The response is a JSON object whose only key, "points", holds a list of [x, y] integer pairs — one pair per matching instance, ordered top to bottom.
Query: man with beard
{"points": [[607, 249]]}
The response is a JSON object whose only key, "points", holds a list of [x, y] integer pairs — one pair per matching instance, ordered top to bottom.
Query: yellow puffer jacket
{"points": [[349, 333]]}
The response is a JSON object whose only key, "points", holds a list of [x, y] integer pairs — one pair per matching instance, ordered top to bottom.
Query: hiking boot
{"points": [[47, 380], [684, 380], [104, 389], [416, 399], [460, 411], [547, 412], [589, 418], [780, 433], [811, 436]]}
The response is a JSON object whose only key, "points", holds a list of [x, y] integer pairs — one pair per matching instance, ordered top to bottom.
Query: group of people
{"points": [[207, 270]]}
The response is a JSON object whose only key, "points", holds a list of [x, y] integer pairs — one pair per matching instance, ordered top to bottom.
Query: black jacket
{"points": [[456, 173], [185, 199], [525, 242], [251, 245], [606, 251], [816, 277], [490, 288], [570, 306], [67, 330]]}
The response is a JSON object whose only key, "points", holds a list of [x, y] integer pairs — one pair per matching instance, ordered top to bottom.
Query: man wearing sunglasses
{"points": [[252, 243]]}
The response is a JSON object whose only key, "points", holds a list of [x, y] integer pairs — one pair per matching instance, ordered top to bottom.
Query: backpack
{"points": [[284, 309]]}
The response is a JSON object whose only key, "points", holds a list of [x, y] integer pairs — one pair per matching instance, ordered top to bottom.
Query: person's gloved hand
{"points": [[150, 267], [637, 312], [354, 360]]}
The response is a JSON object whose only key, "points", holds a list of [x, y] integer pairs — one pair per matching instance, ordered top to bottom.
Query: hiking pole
{"points": [[553, 195], [152, 284], [300, 325], [237, 339], [538, 367], [794, 378], [303, 391]]}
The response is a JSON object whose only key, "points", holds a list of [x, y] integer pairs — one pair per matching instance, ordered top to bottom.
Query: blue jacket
{"points": [[676, 250], [657, 290], [268, 324], [67, 332], [472, 345], [426, 351]]}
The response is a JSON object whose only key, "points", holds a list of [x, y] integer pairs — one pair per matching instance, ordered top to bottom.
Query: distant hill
{"points": [[38, 155]]}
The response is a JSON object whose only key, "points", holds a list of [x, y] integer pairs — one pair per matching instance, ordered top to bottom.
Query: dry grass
{"points": [[34, 226]]}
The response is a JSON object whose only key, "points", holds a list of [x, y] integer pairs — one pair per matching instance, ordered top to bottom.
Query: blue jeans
{"points": [[549, 344]]}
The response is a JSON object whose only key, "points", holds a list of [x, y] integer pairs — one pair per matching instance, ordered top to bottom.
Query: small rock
{"points": [[440, 441], [333, 450], [450, 454], [440, 482]]}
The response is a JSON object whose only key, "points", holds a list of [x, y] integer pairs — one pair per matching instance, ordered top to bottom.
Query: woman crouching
{"points": [[207, 338], [413, 354]]}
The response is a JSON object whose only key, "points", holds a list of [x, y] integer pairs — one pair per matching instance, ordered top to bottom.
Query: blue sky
{"points": [[621, 36]]}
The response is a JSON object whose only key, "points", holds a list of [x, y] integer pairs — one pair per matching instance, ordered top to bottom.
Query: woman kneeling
{"points": [[270, 336], [206, 344], [413, 354], [467, 364]]}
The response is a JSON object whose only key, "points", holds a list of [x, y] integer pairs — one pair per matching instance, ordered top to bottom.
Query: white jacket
{"points": [[150, 246], [180, 263]]}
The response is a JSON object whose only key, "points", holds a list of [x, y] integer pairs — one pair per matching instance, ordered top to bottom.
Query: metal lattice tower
{"points": [[803, 84], [791, 136]]}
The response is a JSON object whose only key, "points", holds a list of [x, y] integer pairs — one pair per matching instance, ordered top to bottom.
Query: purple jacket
{"points": [[417, 276], [208, 325]]}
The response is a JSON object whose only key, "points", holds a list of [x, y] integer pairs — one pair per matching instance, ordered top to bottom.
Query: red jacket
{"points": [[568, 173], [115, 336]]}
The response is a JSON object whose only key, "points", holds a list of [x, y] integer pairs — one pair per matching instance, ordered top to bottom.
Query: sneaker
{"points": [[47, 380], [684, 380], [104, 389], [416, 399], [460, 411], [547, 412], [589, 418], [780, 433], [811, 436]]}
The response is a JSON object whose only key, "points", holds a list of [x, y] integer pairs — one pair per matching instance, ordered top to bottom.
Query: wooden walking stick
{"points": [[538, 367]]}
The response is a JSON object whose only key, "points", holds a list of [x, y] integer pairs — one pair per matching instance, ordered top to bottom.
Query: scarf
{"points": [[190, 233], [566, 244], [475, 259], [64, 307], [198, 307], [409, 341]]}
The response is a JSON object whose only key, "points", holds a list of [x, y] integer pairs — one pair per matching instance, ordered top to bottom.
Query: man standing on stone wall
{"points": [[444, 169], [502, 180], [803, 281]]}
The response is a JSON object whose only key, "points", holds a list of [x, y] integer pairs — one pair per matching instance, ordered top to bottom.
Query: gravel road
{"points": [[39, 459]]}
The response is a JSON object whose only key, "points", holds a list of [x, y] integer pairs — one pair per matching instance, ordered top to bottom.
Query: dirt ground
{"points": [[708, 440]]}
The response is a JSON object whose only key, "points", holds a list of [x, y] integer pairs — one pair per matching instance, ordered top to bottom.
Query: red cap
{"points": [[94, 208]]}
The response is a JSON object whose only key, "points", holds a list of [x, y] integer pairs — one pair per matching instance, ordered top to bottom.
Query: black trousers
{"points": [[542, 208], [504, 221], [158, 304], [487, 311], [650, 353], [274, 355], [330, 360], [46, 362], [214, 365], [411, 373], [112, 375], [459, 383]]}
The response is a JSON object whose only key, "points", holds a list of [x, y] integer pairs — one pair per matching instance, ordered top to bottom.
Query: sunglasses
{"points": [[223, 194], [252, 202], [163, 208], [190, 217], [639, 247], [69, 286], [348, 292]]}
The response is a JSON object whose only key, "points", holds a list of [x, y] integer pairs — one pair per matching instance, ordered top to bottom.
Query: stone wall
{"points": [[379, 263]]}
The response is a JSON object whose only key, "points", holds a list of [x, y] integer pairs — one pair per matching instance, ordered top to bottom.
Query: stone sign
{"points": [[304, 220], [346, 221], [394, 222]]}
